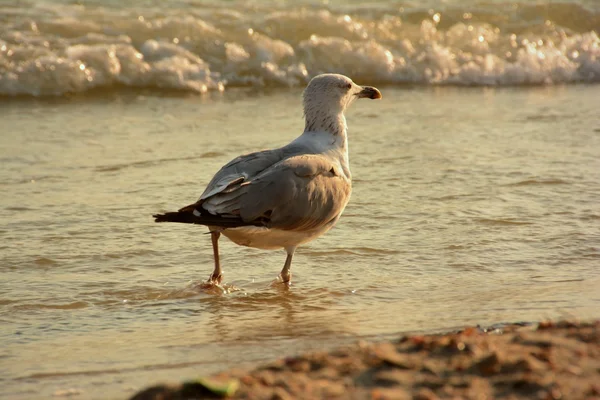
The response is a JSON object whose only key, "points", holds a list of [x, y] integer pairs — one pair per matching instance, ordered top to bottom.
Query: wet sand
{"points": [[543, 361]]}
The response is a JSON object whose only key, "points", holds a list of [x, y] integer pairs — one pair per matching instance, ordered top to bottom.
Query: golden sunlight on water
{"points": [[470, 206]]}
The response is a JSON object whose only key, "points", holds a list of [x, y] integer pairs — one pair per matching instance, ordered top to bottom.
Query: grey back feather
{"points": [[298, 193]]}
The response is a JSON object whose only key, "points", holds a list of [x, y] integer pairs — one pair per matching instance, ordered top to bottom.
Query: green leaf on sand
{"points": [[216, 387]]}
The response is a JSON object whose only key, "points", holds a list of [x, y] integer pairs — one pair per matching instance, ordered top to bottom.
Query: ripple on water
{"points": [[154, 162], [32, 179], [539, 181], [19, 209], [501, 221], [351, 251], [44, 261], [52, 306]]}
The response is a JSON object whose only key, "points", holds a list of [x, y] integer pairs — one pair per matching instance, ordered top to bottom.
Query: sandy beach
{"points": [[542, 361]]}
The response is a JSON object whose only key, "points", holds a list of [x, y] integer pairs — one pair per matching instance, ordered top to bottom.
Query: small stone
{"points": [[566, 324], [545, 325], [469, 331], [417, 341], [387, 353], [525, 364], [276, 365], [298, 365], [489, 365], [304, 366], [429, 368], [574, 370], [392, 377], [266, 378], [433, 382], [459, 382], [527, 384], [333, 390], [594, 390], [280, 394], [389, 394], [425, 394], [555, 394]]}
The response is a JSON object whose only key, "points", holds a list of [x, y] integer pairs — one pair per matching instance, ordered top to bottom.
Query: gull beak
{"points": [[369, 92]]}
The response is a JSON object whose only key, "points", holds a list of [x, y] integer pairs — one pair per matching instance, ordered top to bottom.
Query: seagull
{"points": [[285, 197]]}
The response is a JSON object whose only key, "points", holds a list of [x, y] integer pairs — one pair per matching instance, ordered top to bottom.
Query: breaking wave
{"points": [[53, 48]]}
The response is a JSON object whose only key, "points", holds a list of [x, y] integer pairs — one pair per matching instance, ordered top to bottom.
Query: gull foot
{"points": [[215, 279], [212, 282], [282, 282], [212, 287], [216, 288]]}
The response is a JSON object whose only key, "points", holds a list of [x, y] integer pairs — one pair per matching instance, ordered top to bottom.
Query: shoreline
{"points": [[549, 360]]}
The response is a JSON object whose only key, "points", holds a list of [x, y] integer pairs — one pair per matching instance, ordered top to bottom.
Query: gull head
{"points": [[334, 93], [326, 98]]}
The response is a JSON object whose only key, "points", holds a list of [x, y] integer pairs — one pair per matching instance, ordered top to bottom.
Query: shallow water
{"points": [[470, 206]]}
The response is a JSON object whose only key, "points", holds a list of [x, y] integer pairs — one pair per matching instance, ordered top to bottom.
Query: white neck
{"points": [[319, 120], [329, 131]]}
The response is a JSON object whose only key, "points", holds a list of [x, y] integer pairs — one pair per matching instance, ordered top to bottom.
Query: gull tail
{"points": [[194, 214], [177, 216]]}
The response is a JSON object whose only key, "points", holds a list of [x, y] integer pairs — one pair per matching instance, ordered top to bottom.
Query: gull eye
{"points": [[349, 86]]}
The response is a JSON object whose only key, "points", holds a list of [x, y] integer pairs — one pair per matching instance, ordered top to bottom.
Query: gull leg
{"points": [[217, 274], [286, 274]]}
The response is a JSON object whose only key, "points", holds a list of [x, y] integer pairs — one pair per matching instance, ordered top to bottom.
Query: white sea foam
{"points": [[53, 50]]}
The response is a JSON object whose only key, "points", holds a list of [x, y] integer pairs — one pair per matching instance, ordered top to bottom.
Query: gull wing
{"points": [[240, 169], [299, 193]]}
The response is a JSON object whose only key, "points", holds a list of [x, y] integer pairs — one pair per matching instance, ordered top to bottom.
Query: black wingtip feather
{"points": [[186, 216]]}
